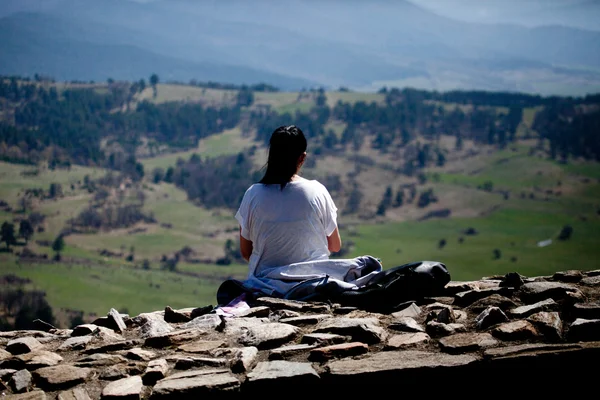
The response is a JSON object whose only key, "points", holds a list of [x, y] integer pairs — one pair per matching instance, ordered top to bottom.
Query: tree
{"points": [[153, 82], [385, 202], [25, 230], [7, 234], [58, 245]]}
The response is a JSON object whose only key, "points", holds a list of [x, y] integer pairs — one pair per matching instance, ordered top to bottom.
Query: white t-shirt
{"points": [[286, 226]]}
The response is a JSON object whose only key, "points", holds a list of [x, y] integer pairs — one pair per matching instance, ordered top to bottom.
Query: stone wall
{"points": [[498, 336]]}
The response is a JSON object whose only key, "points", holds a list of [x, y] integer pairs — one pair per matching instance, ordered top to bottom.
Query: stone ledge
{"points": [[475, 336]]}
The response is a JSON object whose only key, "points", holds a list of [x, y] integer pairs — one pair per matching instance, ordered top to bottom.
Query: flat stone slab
{"points": [[533, 292], [494, 300], [412, 310], [525, 311], [307, 320], [406, 324], [548, 324], [366, 330], [516, 330], [584, 330], [269, 335], [173, 338], [324, 339], [405, 340], [467, 342], [75, 343], [23, 345], [202, 346], [528, 349], [338, 351], [284, 352], [40, 359], [393, 361], [297, 373], [60, 376], [199, 385], [125, 388], [77, 393], [33, 395]]}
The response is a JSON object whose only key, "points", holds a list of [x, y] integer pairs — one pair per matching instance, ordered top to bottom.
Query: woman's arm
{"points": [[334, 241], [245, 247]]}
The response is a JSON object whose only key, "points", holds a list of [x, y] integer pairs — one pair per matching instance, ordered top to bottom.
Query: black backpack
{"points": [[394, 286]]}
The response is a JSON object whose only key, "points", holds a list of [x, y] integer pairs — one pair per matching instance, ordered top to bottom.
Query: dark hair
{"points": [[286, 145]]}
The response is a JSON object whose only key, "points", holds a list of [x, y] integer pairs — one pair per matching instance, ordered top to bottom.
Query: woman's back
{"points": [[286, 226]]}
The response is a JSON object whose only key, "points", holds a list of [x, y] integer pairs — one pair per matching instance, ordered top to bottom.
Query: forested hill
{"points": [[110, 124], [119, 125]]}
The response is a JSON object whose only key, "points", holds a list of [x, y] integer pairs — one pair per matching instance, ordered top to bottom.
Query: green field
{"points": [[514, 198]]}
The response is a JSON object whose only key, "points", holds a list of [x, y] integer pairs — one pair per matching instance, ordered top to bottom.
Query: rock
{"points": [[570, 276], [512, 279], [591, 281], [533, 292], [467, 298], [495, 300], [277, 304], [412, 310], [199, 311], [525, 311], [585, 311], [258, 312], [176, 316], [446, 316], [490, 317], [305, 320], [204, 322], [406, 324], [548, 324], [151, 325], [438, 329], [84, 330], [366, 330], [516, 330], [584, 330], [269, 335], [173, 338], [324, 339], [406, 340], [467, 342], [75, 343], [23, 345], [114, 346], [202, 346], [338, 351], [284, 352], [140, 354], [40, 359], [242, 359], [100, 360], [196, 362], [405, 363], [156, 370], [60, 376], [297, 376], [20, 381], [201, 383], [126, 388], [77, 393], [33, 395]]}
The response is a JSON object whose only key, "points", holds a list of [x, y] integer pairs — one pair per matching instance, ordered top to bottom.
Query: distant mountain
{"points": [[38, 43], [358, 44]]}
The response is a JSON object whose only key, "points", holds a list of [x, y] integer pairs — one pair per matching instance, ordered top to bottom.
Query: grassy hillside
{"points": [[512, 199]]}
